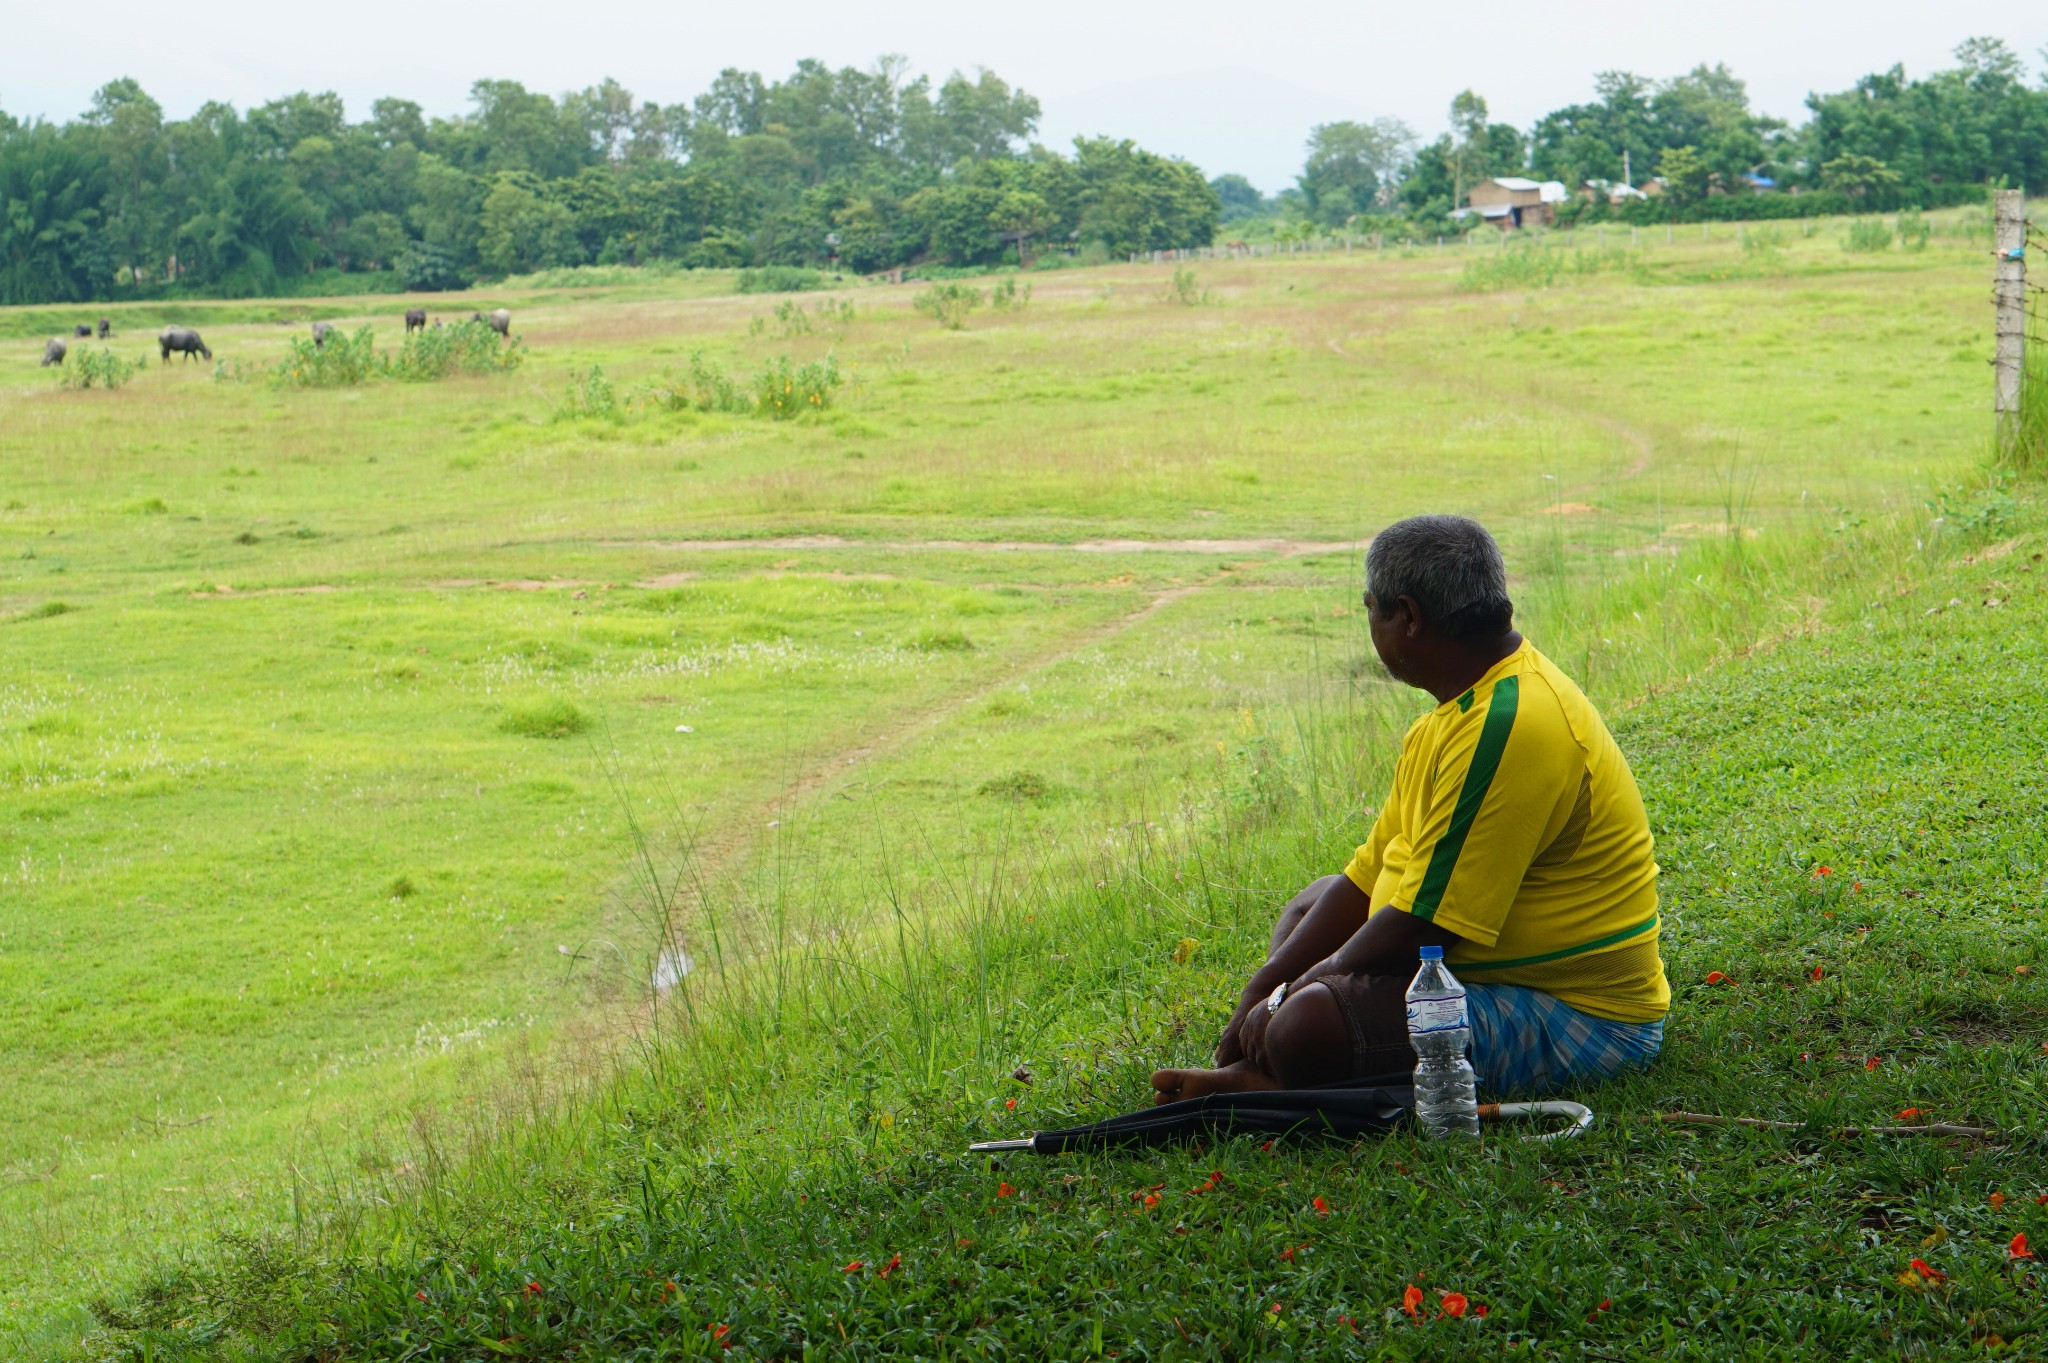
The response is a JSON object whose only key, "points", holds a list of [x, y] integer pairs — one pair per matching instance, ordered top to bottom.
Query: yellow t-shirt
{"points": [[1515, 822]]}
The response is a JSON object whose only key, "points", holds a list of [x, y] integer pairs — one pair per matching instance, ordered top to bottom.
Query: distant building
{"points": [[1617, 192], [1509, 201]]}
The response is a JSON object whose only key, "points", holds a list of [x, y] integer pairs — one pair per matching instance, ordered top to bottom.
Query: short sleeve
{"points": [[1501, 784], [1371, 857]]}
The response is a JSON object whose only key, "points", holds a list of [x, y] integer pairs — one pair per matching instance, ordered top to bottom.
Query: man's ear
{"points": [[1407, 617]]}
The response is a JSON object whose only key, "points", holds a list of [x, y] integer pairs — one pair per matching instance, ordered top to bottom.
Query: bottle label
{"points": [[1436, 1015]]}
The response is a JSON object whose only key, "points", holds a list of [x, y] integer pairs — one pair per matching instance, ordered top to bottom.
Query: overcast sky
{"points": [[1232, 87]]}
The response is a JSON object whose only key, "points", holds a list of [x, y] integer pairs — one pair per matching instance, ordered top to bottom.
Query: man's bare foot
{"points": [[1243, 1077]]}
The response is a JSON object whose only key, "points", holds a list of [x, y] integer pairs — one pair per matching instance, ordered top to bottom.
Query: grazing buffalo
{"points": [[415, 320], [499, 321], [106, 328], [82, 329], [320, 330], [182, 339], [53, 352]]}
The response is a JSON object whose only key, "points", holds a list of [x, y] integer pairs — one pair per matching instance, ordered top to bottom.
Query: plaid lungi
{"points": [[1526, 1041]]}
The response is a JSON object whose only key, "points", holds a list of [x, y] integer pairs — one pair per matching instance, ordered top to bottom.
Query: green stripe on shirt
{"points": [[1493, 741], [1609, 940]]}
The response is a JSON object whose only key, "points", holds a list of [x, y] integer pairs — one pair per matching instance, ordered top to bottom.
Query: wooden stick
{"points": [[1711, 1119]]}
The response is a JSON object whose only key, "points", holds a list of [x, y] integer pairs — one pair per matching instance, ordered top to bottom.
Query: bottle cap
{"points": [[1432, 953]]}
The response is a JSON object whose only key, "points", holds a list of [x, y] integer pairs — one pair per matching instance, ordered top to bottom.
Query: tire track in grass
{"points": [[716, 854]]}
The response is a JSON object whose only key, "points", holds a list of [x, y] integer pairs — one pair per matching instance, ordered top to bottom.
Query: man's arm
{"points": [[1327, 925], [1389, 943]]}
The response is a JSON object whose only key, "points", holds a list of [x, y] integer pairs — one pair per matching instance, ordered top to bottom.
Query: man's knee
{"points": [[1307, 1042]]}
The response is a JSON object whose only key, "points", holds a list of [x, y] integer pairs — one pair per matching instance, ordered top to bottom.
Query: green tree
{"points": [[1352, 168], [1685, 176]]}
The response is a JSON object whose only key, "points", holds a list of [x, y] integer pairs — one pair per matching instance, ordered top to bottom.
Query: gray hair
{"points": [[1451, 568]]}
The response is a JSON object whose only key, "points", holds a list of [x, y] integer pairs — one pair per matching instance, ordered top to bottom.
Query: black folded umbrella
{"points": [[1358, 1107], [1367, 1107]]}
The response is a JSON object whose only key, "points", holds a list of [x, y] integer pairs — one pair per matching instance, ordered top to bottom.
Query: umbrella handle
{"points": [[1581, 1115], [996, 1147]]}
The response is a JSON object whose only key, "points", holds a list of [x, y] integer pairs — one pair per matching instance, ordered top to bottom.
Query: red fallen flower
{"points": [[1820, 871], [1815, 974], [1716, 977], [1873, 1062], [1009, 1102], [1907, 1114], [1267, 1148], [1005, 1190], [1996, 1200], [2042, 1200], [1151, 1201], [1322, 1207], [2018, 1248], [1287, 1255], [895, 1261], [853, 1267], [1933, 1275], [533, 1287], [421, 1295], [1411, 1300], [1453, 1304], [1274, 1308], [1480, 1309], [1348, 1324], [719, 1332]]}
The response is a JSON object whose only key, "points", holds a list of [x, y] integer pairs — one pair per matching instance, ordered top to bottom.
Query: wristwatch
{"points": [[1276, 998]]}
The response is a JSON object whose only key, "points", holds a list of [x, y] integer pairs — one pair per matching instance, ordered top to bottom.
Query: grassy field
{"points": [[330, 721]]}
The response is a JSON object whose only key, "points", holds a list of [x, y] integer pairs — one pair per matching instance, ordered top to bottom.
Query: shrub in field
{"points": [[1913, 232], [1867, 234], [1763, 242], [781, 279], [1186, 289], [1004, 295], [948, 304], [465, 348], [345, 360], [100, 368], [706, 388], [783, 390], [590, 396], [941, 641], [549, 719]]}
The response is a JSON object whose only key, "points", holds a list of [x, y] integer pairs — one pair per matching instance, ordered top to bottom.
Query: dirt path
{"points": [[718, 852]]}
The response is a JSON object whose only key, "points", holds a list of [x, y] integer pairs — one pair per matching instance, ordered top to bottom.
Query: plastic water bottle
{"points": [[1446, 1103]]}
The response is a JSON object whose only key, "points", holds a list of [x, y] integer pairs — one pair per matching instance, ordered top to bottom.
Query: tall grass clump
{"points": [[1868, 235], [1519, 266], [1185, 289], [1008, 296], [949, 304], [465, 348], [348, 358], [100, 368], [783, 390], [590, 396], [2026, 448]]}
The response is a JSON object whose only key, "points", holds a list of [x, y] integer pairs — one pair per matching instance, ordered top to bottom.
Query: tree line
{"points": [[1888, 142], [869, 168], [873, 169]]}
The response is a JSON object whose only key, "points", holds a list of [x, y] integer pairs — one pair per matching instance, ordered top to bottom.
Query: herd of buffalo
{"points": [[185, 341]]}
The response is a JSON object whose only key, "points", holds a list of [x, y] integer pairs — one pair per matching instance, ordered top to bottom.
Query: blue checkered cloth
{"points": [[1525, 1041]]}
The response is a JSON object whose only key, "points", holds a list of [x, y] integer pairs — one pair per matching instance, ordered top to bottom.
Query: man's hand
{"points": [[1251, 1036]]}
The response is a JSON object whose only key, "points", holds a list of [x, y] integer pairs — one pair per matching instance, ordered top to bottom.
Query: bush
{"points": [[1913, 231], [1867, 234], [1534, 267], [782, 279], [1185, 289], [1002, 296], [948, 304], [465, 348], [344, 361], [100, 368], [706, 388], [782, 390], [590, 396]]}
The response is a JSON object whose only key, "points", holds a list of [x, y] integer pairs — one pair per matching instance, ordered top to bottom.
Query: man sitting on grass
{"points": [[1514, 838]]}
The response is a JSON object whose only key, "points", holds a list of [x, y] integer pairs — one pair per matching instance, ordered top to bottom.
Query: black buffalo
{"points": [[415, 320], [184, 340], [53, 352]]}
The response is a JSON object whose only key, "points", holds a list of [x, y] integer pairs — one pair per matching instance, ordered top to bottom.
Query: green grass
{"points": [[312, 631], [1846, 836]]}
